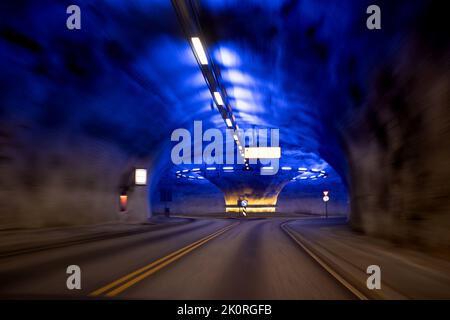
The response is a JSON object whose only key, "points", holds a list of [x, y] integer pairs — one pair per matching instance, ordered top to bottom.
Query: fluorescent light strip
{"points": [[199, 51], [201, 55], [218, 98], [211, 168], [228, 168], [286, 168]]}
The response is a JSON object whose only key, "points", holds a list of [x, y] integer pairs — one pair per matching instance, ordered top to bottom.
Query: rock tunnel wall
{"points": [[74, 114], [74, 118], [398, 151], [49, 184], [200, 198]]}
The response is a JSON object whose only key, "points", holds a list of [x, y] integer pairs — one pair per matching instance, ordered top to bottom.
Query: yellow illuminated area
{"points": [[263, 153], [262, 196], [269, 199], [257, 203], [250, 209]]}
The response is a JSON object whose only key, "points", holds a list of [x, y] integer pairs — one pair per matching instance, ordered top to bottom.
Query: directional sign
{"points": [[325, 193], [326, 198], [244, 203]]}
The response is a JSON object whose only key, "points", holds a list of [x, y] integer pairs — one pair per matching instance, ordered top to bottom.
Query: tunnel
{"points": [[359, 116]]}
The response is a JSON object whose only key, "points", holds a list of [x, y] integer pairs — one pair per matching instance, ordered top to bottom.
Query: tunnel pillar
{"points": [[261, 191]]}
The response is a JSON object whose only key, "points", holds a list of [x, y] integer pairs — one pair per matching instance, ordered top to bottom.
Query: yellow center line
{"points": [[156, 265]]}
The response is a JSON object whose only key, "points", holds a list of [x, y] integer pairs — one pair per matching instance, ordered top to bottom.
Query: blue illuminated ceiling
{"points": [[130, 77]]}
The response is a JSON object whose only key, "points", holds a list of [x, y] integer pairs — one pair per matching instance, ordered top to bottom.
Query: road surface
{"points": [[202, 259]]}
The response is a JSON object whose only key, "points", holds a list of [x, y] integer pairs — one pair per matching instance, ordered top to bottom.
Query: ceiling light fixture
{"points": [[199, 51], [218, 98]]}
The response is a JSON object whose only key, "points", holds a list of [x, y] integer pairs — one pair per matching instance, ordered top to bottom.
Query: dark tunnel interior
{"points": [[363, 114]]}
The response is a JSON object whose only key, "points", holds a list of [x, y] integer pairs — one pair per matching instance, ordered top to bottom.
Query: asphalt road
{"points": [[203, 259]]}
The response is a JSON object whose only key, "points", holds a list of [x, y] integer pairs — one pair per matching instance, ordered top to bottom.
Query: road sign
{"points": [[325, 199]]}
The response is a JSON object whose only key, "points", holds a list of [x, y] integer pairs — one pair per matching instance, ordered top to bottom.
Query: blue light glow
{"points": [[227, 57]]}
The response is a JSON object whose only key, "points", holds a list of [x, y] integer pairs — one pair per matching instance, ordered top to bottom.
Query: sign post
{"points": [[166, 197], [325, 199], [243, 204]]}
